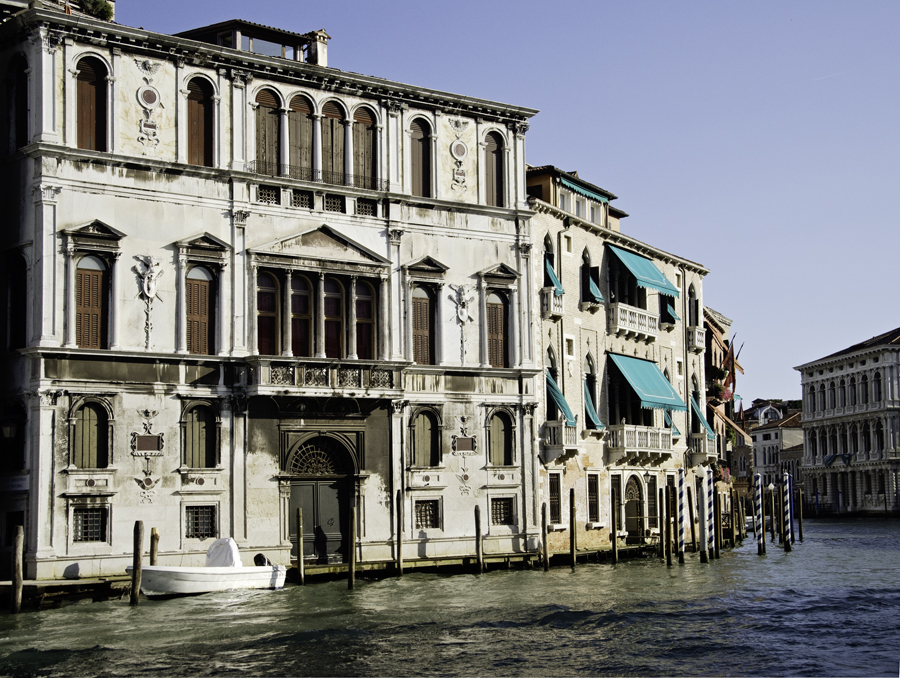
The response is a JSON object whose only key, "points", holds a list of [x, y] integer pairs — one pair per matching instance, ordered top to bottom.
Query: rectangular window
{"points": [[270, 195], [302, 199], [565, 201], [334, 203], [365, 207], [579, 208], [597, 214], [567, 244], [90, 308], [421, 310], [570, 347], [767, 436], [593, 486], [555, 499], [502, 511], [428, 514], [653, 518], [200, 522], [89, 524]]}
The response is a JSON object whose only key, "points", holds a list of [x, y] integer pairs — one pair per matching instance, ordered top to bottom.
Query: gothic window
{"points": [[91, 101], [200, 122], [268, 132], [300, 135], [332, 144], [364, 158], [420, 158], [494, 158], [549, 262], [91, 302], [693, 308], [200, 310], [267, 314], [301, 317], [334, 319], [365, 321], [423, 325], [497, 331], [552, 412], [591, 414], [200, 437], [425, 439], [501, 440], [90, 444]]}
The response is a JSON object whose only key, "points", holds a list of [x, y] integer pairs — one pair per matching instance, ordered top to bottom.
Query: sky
{"points": [[757, 139]]}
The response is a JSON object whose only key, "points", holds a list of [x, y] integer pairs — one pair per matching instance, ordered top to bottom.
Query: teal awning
{"points": [[582, 191], [646, 272], [558, 285], [594, 291], [671, 309], [650, 385], [560, 401], [589, 408], [675, 432], [710, 434]]}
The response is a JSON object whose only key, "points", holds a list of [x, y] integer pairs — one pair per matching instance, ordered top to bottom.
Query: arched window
{"points": [[18, 103], [90, 113], [200, 122], [268, 132], [300, 134], [332, 144], [420, 158], [494, 158], [365, 169], [549, 261], [91, 302], [693, 308], [200, 311], [267, 314], [301, 317], [334, 319], [365, 321], [423, 326], [497, 330], [876, 387], [864, 390], [852, 391], [842, 394], [831, 395], [821, 396], [811, 399], [552, 412], [591, 413], [696, 425], [879, 437], [200, 438], [854, 439], [866, 439], [501, 440], [813, 445], [90, 446], [426, 449]]}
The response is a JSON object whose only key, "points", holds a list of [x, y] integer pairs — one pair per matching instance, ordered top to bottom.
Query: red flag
{"points": [[728, 366]]}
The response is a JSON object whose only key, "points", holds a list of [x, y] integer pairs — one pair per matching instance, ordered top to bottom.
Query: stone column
{"points": [[42, 99], [238, 119], [250, 137], [316, 146], [348, 152], [283, 154], [379, 162], [181, 303], [221, 311], [286, 312], [113, 315], [351, 315], [320, 318], [407, 320], [482, 324], [384, 326], [252, 335], [71, 341], [439, 357], [515, 357]]}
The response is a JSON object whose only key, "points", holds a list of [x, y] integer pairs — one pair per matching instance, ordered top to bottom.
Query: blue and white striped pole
{"points": [[710, 511], [701, 514], [681, 516], [786, 517], [759, 527]]}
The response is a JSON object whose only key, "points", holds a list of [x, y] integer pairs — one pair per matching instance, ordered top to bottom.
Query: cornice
{"points": [[846, 357]]}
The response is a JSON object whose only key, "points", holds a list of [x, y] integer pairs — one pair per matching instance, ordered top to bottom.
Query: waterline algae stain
{"points": [[827, 608]]}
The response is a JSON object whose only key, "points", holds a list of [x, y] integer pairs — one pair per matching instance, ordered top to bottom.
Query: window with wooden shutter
{"points": [[90, 106], [200, 122], [300, 131], [268, 133], [332, 144], [420, 158], [364, 169], [493, 170], [91, 290], [199, 305], [267, 308], [301, 317], [334, 319], [496, 320], [365, 321], [423, 353], [200, 438], [90, 447], [426, 451], [501, 452]]}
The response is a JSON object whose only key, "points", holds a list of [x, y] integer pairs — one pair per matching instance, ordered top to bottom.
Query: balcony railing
{"points": [[274, 169], [552, 306], [628, 320], [696, 339], [304, 373], [558, 436], [638, 444]]}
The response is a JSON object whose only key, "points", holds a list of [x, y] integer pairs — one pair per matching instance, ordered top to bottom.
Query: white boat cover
{"points": [[223, 553]]}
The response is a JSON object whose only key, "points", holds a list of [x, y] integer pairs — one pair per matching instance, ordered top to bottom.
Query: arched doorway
{"points": [[322, 467], [634, 501]]}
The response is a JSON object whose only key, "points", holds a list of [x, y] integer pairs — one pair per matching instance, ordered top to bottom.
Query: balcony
{"points": [[274, 169], [552, 306], [632, 321], [696, 339], [282, 375], [559, 438], [638, 445], [701, 450]]}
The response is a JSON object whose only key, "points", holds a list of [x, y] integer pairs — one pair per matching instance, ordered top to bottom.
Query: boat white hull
{"points": [[186, 581]]}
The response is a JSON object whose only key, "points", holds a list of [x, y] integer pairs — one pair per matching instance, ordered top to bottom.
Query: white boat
{"points": [[223, 572]]}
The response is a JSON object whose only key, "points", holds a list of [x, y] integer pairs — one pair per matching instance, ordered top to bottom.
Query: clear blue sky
{"points": [[758, 139]]}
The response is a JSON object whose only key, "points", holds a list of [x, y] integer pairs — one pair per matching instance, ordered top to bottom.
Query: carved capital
{"points": [[240, 78], [520, 128], [46, 192], [240, 217], [396, 235], [399, 406]]}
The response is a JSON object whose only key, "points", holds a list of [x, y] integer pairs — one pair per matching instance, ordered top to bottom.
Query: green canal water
{"points": [[829, 608]]}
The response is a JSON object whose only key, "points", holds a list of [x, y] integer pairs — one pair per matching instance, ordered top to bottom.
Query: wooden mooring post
{"points": [[614, 524], [544, 532], [400, 533], [573, 537], [154, 545], [479, 553], [137, 561], [301, 565], [351, 578], [15, 600]]}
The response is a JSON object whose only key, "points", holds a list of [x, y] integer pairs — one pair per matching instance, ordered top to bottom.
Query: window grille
{"points": [[270, 195], [302, 199], [334, 203], [365, 207], [593, 498], [555, 499], [502, 511], [427, 514], [201, 522], [89, 524]]}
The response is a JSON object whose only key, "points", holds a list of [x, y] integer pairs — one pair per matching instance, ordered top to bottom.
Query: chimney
{"points": [[317, 51]]}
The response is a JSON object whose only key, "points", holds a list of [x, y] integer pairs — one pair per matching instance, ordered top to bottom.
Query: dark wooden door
{"points": [[324, 505]]}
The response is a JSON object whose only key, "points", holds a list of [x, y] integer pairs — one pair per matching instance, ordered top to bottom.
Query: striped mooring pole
{"points": [[786, 504], [681, 512], [710, 512], [759, 528]]}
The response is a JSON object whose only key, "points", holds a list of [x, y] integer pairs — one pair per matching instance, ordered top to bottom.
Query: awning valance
{"points": [[571, 185], [646, 272], [559, 291], [594, 291], [650, 385], [560, 401], [589, 409], [710, 434]]}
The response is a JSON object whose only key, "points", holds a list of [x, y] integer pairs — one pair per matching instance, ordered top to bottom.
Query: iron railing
{"points": [[274, 169]]}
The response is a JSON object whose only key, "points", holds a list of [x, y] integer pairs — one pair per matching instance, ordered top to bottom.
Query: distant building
{"points": [[851, 426], [769, 441]]}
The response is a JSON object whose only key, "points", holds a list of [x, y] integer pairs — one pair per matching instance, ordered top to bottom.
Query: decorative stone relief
{"points": [[149, 99], [459, 150], [149, 271], [462, 299], [282, 376], [316, 376], [348, 376], [381, 379], [147, 443], [463, 445], [147, 486]]}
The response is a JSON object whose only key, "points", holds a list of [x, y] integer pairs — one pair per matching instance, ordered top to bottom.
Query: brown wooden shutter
{"points": [[90, 109], [200, 123], [300, 125], [268, 132], [332, 143], [364, 148], [420, 159], [493, 170], [421, 309], [90, 311], [198, 316], [496, 335], [425, 441], [91, 444]]}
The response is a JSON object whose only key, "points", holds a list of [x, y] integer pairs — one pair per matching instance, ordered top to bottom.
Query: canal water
{"points": [[829, 608]]}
